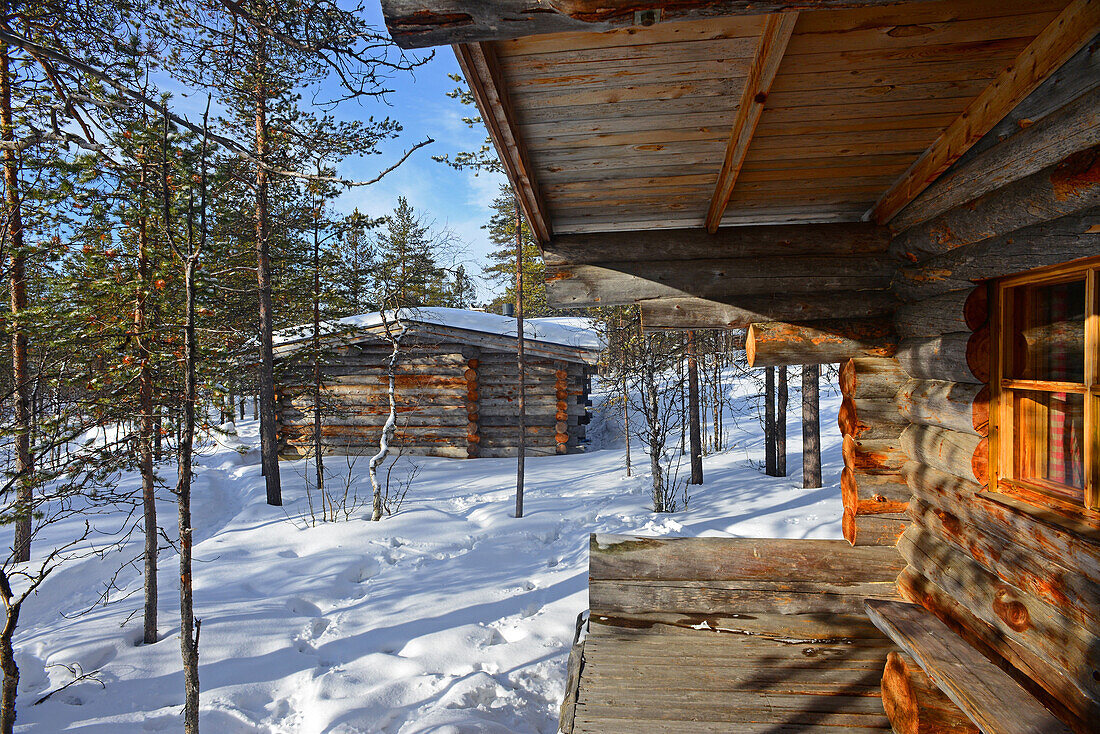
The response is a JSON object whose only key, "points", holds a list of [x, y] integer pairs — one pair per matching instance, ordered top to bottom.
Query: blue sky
{"points": [[453, 200], [456, 200]]}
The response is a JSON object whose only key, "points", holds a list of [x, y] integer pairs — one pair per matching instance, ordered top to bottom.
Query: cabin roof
{"points": [[839, 114], [570, 338]]}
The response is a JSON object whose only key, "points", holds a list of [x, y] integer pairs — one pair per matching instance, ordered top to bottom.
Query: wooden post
{"points": [[769, 421], [522, 422], [781, 425], [561, 426], [811, 426], [694, 428]]}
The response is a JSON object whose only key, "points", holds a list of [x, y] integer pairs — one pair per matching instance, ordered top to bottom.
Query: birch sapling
{"points": [[391, 419]]}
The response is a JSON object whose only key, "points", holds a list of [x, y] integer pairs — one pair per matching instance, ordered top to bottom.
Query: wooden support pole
{"points": [[521, 364], [473, 432]]}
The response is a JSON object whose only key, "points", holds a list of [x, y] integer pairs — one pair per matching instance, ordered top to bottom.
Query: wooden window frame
{"points": [[1002, 440]]}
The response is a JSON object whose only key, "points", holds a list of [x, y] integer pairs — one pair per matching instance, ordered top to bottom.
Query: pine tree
{"points": [[501, 271]]}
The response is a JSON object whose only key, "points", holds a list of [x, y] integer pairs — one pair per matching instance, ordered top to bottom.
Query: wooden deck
{"points": [[741, 635]]}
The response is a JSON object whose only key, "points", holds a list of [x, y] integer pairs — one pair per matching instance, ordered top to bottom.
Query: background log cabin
{"points": [[911, 188], [456, 385]]}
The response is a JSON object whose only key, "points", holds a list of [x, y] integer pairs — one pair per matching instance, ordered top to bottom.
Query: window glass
{"points": [[1048, 339], [1050, 450]]}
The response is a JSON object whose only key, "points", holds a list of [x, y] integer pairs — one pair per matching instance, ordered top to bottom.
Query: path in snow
{"points": [[450, 617]]}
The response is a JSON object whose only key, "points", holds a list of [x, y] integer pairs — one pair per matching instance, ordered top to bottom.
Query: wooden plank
{"points": [[1067, 33], [772, 45], [484, 77], [759, 559], [733, 597], [988, 696]]}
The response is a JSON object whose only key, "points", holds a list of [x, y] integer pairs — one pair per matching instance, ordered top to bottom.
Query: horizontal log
{"points": [[424, 23], [1029, 150], [1063, 189], [855, 238], [1050, 243], [722, 279], [955, 311], [698, 313], [774, 343], [956, 357], [871, 377], [960, 406], [870, 418], [963, 454], [873, 456], [873, 494], [881, 530], [1048, 538], [760, 559], [1070, 592], [1043, 630], [1037, 674], [915, 705]]}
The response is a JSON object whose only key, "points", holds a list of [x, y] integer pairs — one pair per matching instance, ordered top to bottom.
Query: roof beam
{"points": [[423, 23], [1075, 26], [777, 32], [483, 75], [700, 313]]}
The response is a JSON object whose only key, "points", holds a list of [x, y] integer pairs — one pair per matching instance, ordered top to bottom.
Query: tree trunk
{"points": [[521, 362], [391, 419], [769, 422], [626, 423], [781, 425], [811, 426], [695, 430], [145, 433], [269, 448], [318, 449], [24, 462], [189, 628], [8, 665]]}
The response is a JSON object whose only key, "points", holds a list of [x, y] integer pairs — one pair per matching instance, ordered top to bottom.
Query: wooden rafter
{"points": [[778, 28], [1073, 28], [483, 74]]}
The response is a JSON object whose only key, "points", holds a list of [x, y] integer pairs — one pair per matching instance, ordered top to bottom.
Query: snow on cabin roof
{"points": [[569, 331]]}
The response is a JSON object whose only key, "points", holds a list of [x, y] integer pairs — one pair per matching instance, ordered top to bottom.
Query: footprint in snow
{"points": [[287, 554], [301, 608]]}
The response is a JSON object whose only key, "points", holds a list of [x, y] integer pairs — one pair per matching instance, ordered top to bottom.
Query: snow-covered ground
{"points": [[452, 616]]}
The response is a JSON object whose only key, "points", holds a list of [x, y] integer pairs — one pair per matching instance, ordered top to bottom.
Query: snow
{"points": [[566, 331], [451, 616]]}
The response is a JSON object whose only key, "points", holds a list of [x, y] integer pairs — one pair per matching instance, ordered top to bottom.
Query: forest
{"points": [[171, 181]]}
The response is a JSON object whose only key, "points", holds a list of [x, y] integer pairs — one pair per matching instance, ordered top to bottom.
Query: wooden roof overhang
{"points": [[723, 162]]}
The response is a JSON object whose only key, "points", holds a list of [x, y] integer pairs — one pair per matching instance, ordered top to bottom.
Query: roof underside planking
{"points": [[829, 111]]}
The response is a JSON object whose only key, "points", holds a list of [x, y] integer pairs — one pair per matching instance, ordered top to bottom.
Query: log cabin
{"points": [[909, 189], [456, 384]]}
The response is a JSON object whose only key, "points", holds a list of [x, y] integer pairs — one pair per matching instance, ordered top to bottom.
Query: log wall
{"points": [[454, 399], [873, 491], [1014, 579]]}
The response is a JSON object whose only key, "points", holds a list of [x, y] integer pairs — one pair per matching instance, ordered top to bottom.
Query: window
{"points": [[1047, 386]]}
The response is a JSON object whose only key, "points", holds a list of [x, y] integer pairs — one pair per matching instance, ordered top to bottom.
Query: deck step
{"points": [[989, 697]]}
